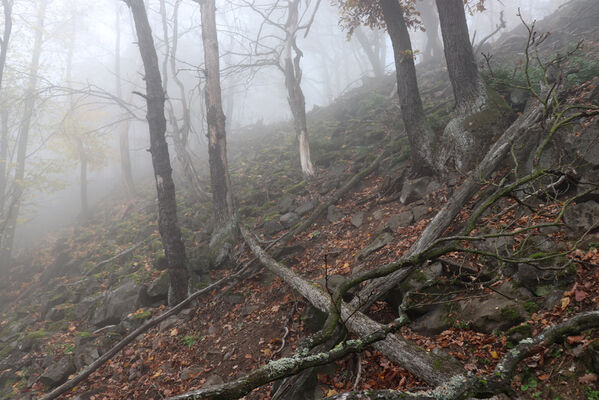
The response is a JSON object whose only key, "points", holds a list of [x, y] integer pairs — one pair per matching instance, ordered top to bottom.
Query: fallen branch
{"points": [[114, 258], [284, 367], [430, 367], [87, 371], [499, 380]]}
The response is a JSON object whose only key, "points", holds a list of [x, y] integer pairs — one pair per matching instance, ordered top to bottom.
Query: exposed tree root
{"points": [[123, 253]]}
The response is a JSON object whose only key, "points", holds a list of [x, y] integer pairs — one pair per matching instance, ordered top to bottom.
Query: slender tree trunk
{"points": [[7, 5], [430, 20], [372, 52], [461, 64], [293, 80], [420, 135], [23, 138], [125, 153], [83, 178], [222, 198], [167, 205]]}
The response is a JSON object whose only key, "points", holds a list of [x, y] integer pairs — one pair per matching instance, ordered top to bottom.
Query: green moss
{"points": [[496, 114], [297, 187], [156, 245], [531, 307], [510, 314], [142, 315], [58, 326], [84, 334], [36, 335]]}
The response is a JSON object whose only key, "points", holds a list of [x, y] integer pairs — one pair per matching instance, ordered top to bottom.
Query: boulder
{"points": [[417, 189], [286, 204], [305, 208], [420, 212], [333, 214], [581, 217], [357, 219], [288, 220], [401, 220], [272, 227], [381, 241], [158, 288], [118, 303], [490, 313], [432, 323], [85, 352], [58, 373]]}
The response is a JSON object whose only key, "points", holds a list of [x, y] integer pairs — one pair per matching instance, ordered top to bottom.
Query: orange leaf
{"points": [[565, 302], [543, 377]]}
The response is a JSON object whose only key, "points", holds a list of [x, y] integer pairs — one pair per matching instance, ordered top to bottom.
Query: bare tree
{"points": [[7, 6], [167, 205]]}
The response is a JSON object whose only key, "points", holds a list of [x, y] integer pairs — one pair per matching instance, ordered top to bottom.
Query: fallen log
{"points": [[378, 288], [432, 368]]}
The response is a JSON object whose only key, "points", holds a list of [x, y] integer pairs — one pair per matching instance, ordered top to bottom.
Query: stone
{"points": [[588, 180], [328, 185], [414, 190], [286, 204], [305, 208], [419, 212], [333, 214], [378, 215], [581, 217], [357, 219], [289, 220], [401, 220], [272, 227], [381, 241], [419, 278], [158, 288], [235, 298], [119, 302], [86, 306], [249, 310], [490, 313], [168, 323], [432, 323], [85, 353], [58, 373], [190, 373], [213, 380]]}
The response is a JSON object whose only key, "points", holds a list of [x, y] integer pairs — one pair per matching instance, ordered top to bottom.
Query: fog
{"points": [[83, 86]]}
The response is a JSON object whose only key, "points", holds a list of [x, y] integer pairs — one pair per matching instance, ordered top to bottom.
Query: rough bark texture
{"points": [[459, 56], [293, 80], [419, 133], [222, 198], [15, 203], [167, 205], [431, 368]]}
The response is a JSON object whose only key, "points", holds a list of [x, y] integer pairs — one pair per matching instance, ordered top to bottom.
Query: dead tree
{"points": [[165, 187]]}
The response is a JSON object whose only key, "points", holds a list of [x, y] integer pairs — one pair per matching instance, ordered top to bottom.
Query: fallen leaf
{"points": [[580, 295], [565, 302], [174, 332], [575, 339], [494, 354], [543, 377], [587, 378], [331, 392]]}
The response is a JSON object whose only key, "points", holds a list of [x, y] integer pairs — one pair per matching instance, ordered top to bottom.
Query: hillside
{"points": [[87, 287]]}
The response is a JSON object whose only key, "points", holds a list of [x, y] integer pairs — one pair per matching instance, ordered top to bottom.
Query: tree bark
{"points": [[433, 50], [461, 64], [293, 80], [420, 135], [124, 151], [83, 178], [222, 197], [167, 205], [7, 241], [431, 368]]}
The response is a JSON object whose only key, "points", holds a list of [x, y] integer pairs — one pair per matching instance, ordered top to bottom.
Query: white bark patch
{"points": [[304, 148], [159, 181]]}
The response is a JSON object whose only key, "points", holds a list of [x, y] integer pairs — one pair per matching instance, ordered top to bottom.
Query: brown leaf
{"points": [[580, 295], [575, 339], [587, 379]]}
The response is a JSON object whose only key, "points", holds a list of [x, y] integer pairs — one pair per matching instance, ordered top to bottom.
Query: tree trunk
{"points": [[433, 50], [372, 52], [461, 64], [293, 80], [420, 135], [23, 138], [125, 153], [3, 162], [83, 178], [222, 198], [167, 205]]}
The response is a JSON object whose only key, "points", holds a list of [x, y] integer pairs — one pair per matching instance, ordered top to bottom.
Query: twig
{"points": [[114, 258]]}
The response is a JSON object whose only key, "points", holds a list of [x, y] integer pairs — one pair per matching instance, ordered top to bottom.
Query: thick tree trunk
{"points": [[461, 64], [293, 80], [420, 135], [125, 152], [222, 198], [167, 205], [7, 241]]}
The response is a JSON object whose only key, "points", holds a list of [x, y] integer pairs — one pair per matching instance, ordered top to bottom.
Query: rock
{"points": [[518, 98], [587, 181], [328, 185], [413, 190], [286, 204], [305, 208], [419, 212], [333, 214], [378, 215], [581, 217], [358, 219], [289, 220], [401, 220], [272, 227], [381, 241], [419, 278], [158, 289], [235, 298], [552, 299], [118, 303], [86, 307], [249, 310], [490, 313], [55, 314], [168, 323], [432, 323], [519, 332], [85, 353], [591, 356], [58, 373], [190, 373], [213, 380]]}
